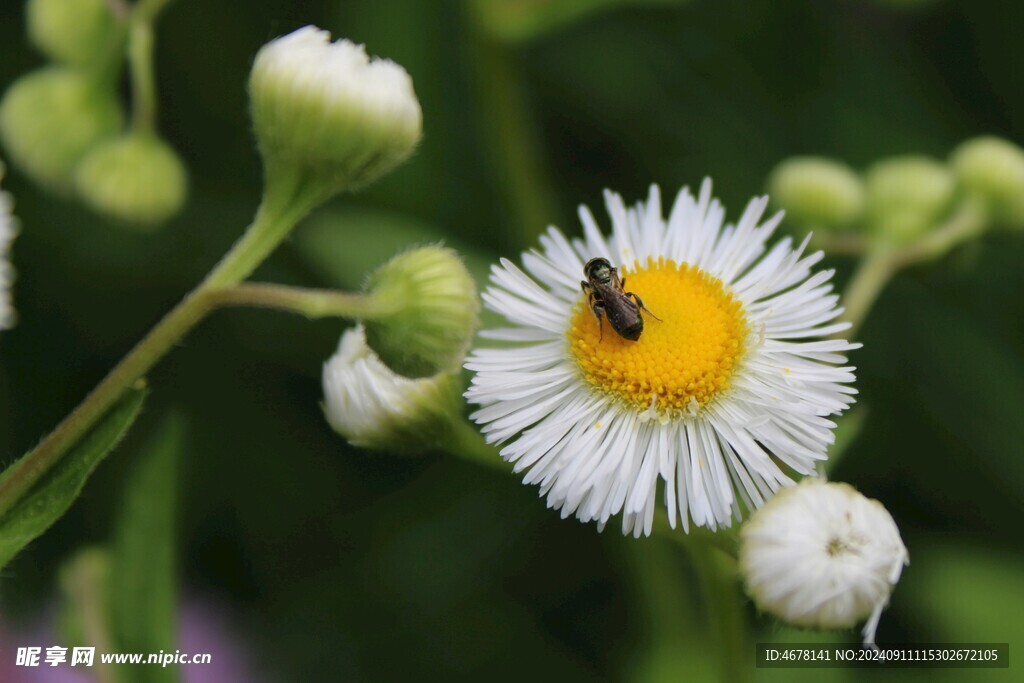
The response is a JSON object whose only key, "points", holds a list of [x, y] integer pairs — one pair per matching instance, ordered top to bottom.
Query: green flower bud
{"points": [[76, 32], [327, 112], [51, 118], [993, 169], [136, 178], [816, 192], [907, 196], [432, 311], [375, 408]]}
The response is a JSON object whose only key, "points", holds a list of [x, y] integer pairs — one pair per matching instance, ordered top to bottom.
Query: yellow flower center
{"points": [[678, 364]]}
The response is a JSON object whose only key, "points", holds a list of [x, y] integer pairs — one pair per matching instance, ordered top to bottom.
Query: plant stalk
{"points": [[268, 228]]}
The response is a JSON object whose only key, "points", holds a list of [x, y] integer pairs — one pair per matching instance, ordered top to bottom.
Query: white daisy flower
{"points": [[8, 231], [722, 398], [822, 555]]}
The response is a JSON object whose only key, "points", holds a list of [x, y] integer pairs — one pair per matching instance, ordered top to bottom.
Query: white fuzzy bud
{"points": [[329, 111], [373, 407], [821, 555]]}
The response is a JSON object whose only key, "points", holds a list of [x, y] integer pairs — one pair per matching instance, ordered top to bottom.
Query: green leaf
{"points": [[55, 493], [143, 578], [964, 594], [967, 594]]}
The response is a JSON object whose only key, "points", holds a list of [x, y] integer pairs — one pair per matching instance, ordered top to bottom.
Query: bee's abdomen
{"points": [[626, 321], [632, 332]]}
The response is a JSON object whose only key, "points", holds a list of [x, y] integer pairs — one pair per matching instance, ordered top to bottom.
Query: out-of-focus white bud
{"points": [[328, 112], [136, 178], [372, 407], [821, 555]]}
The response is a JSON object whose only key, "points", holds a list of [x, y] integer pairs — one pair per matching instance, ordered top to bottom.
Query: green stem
{"points": [[147, 10], [140, 63], [106, 70], [511, 144], [272, 222], [967, 222], [882, 261], [872, 275], [312, 303], [466, 442], [723, 541], [714, 557], [718, 577], [666, 607]]}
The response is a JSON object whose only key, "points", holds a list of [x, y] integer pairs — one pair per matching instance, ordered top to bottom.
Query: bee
{"points": [[606, 296]]}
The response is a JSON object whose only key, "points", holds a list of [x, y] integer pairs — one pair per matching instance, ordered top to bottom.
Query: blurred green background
{"points": [[337, 564]]}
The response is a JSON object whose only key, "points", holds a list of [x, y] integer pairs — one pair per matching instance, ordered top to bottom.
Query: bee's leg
{"points": [[586, 288], [640, 302], [598, 309]]}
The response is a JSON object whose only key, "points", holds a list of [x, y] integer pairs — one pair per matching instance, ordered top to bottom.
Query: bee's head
{"points": [[598, 269]]}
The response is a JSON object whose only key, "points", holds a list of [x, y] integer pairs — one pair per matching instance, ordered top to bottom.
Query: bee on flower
{"points": [[719, 402]]}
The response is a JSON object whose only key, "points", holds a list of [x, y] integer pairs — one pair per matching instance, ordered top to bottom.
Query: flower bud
{"points": [[75, 32], [327, 111], [51, 118], [993, 169], [136, 178], [816, 192], [907, 196], [8, 231], [432, 311], [372, 407], [821, 555]]}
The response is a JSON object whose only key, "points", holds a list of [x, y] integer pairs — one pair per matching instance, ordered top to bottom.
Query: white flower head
{"points": [[329, 108], [8, 231], [720, 396], [373, 407], [822, 555]]}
